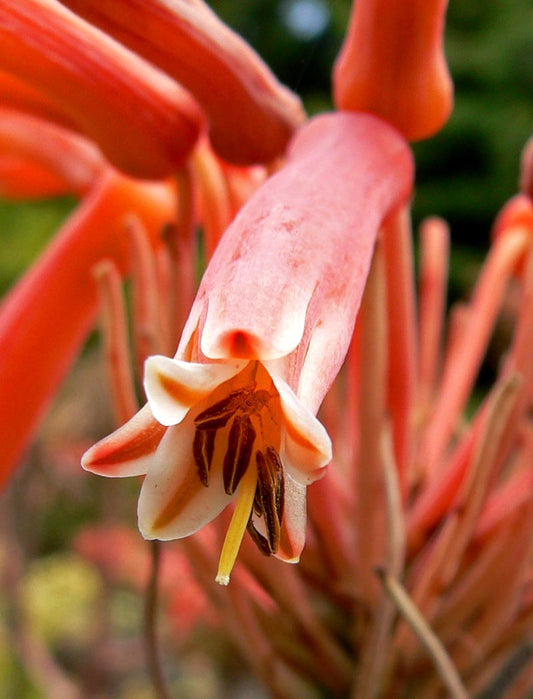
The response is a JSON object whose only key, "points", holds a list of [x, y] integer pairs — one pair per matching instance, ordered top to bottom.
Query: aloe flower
{"points": [[74, 101], [241, 394]]}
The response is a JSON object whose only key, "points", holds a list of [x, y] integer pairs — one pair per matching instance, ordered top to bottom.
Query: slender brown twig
{"points": [[150, 626], [442, 661]]}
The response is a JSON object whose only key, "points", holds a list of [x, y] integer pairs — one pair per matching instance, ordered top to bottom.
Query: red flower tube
{"points": [[392, 64], [251, 116], [144, 122]]}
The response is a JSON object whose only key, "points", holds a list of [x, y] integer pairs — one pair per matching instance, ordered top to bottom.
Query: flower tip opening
{"points": [[515, 222], [234, 344], [240, 345], [246, 345]]}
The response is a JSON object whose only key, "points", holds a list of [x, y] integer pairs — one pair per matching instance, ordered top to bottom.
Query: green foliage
{"points": [[468, 170], [25, 228]]}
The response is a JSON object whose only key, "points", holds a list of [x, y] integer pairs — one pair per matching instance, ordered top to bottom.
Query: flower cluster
{"points": [[418, 567]]}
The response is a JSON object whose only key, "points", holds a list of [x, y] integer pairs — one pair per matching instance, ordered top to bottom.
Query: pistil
{"points": [[238, 524]]}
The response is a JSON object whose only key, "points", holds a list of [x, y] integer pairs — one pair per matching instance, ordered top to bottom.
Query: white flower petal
{"points": [[174, 386], [307, 447], [128, 451], [173, 502], [294, 521]]}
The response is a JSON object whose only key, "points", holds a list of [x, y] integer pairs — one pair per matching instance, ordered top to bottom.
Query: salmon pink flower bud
{"points": [[392, 64], [251, 116], [143, 121], [516, 218], [295, 266], [267, 334]]}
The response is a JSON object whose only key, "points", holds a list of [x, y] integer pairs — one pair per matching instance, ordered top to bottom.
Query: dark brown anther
{"points": [[219, 414], [203, 448], [237, 458], [276, 469], [269, 495], [258, 539]]}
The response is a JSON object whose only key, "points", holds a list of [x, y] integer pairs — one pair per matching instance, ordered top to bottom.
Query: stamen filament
{"points": [[237, 527]]}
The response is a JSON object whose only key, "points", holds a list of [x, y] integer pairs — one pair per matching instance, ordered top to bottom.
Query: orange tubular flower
{"points": [[392, 64], [107, 92], [17, 94], [251, 116], [71, 158], [22, 179], [45, 319], [260, 349]]}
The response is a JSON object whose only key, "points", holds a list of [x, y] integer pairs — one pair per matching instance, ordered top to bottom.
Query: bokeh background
{"points": [[70, 594]]}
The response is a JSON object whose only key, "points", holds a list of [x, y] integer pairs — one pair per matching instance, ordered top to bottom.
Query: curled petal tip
{"points": [[236, 343], [173, 386], [307, 449], [129, 450]]}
